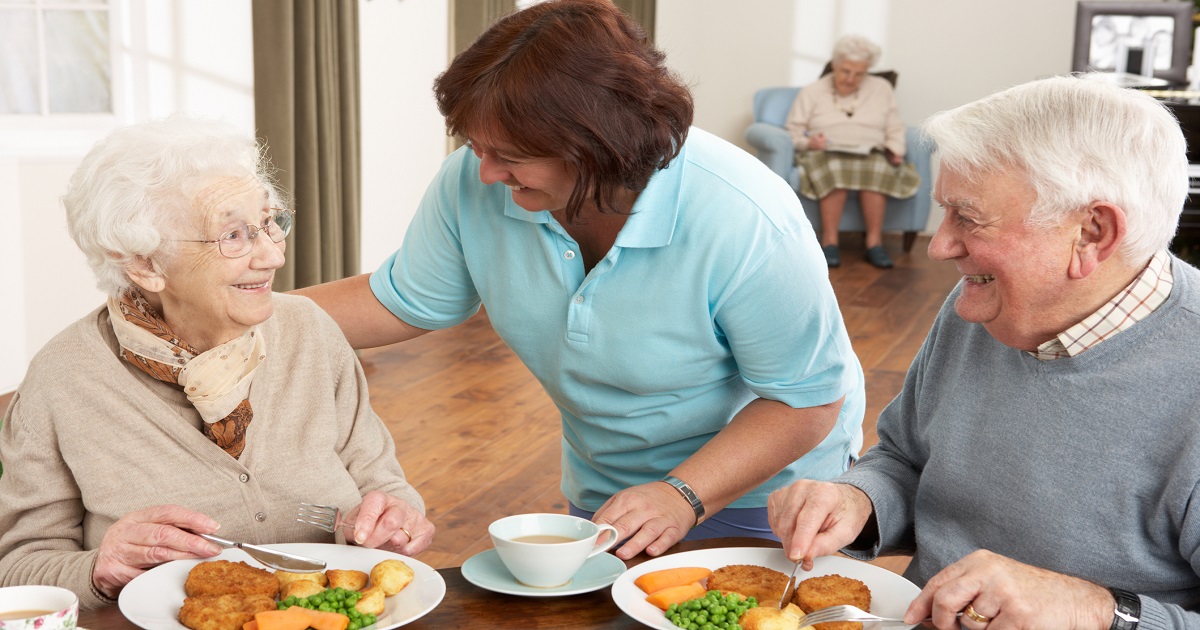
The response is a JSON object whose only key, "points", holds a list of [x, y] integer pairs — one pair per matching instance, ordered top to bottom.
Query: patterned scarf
{"points": [[217, 382]]}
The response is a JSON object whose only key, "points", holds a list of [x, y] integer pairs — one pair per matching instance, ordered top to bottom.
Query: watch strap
{"points": [[688, 494], [1128, 610]]}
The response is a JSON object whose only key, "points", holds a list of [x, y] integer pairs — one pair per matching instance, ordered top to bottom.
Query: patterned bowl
{"points": [[38, 608]]}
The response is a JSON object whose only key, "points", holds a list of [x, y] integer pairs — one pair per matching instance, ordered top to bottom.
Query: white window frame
{"points": [[47, 133]]}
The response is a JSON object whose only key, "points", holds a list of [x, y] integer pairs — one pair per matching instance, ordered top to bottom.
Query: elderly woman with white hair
{"points": [[848, 136], [195, 398]]}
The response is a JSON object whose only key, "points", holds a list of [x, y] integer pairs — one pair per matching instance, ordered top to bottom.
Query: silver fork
{"points": [[326, 517], [850, 613]]}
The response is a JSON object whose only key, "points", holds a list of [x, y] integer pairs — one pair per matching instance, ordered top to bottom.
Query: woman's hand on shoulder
{"points": [[652, 517], [383, 521], [149, 537]]}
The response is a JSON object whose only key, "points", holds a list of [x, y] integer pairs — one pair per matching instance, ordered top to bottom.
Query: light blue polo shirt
{"points": [[715, 293]]}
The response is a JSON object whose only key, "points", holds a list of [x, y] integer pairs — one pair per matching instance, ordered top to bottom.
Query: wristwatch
{"points": [[688, 494], [1129, 608]]}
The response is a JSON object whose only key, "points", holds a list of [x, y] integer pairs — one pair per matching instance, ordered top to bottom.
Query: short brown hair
{"points": [[575, 80]]}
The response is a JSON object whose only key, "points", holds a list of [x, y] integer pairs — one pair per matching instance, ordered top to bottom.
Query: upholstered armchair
{"points": [[773, 146]]}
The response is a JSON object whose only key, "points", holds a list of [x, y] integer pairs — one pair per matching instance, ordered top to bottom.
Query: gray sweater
{"points": [[1085, 466]]}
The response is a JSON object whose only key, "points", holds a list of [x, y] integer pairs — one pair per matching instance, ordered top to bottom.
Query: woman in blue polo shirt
{"points": [[662, 285]]}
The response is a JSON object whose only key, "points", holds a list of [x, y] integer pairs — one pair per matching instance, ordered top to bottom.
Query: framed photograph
{"points": [[1152, 39]]}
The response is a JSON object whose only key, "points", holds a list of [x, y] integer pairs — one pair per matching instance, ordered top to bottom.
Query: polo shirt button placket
{"points": [[569, 255]]}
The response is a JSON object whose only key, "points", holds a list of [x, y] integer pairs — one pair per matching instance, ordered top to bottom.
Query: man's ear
{"points": [[1101, 232], [145, 273]]}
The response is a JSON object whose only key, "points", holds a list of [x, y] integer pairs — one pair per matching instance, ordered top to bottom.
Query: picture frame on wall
{"points": [[1150, 39]]}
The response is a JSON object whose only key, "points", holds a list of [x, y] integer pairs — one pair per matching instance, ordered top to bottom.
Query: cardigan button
{"points": [[244, 477], [260, 517]]}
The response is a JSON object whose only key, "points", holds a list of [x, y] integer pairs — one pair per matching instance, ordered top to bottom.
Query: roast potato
{"points": [[316, 576], [391, 576], [347, 579], [300, 588], [371, 602]]}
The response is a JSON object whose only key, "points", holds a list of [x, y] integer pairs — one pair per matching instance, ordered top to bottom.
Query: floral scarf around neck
{"points": [[217, 382]]}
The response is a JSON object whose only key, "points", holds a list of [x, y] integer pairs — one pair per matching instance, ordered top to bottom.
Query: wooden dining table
{"points": [[468, 606]]}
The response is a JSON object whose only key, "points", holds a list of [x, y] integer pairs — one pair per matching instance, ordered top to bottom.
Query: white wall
{"points": [[404, 46]]}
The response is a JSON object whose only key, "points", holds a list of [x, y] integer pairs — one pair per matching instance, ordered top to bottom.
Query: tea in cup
{"points": [[546, 550], [36, 606]]}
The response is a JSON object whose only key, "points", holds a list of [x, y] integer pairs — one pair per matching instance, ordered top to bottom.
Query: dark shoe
{"points": [[878, 256], [832, 257]]}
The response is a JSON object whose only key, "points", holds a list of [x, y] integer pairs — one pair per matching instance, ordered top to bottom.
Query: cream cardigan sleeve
{"points": [[799, 116]]}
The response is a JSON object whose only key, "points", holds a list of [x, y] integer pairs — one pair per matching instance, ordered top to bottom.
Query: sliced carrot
{"points": [[658, 580], [675, 595], [294, 618], [322, 620], [250, 625]]}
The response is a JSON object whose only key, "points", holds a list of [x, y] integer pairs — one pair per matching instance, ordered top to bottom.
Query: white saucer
{"points": [[486, 571]]}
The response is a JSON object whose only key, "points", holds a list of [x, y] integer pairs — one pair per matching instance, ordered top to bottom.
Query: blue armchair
{"points": [[773, 146]]}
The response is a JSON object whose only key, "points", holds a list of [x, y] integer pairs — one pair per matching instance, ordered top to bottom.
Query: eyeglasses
{"points": [[237, 243]]}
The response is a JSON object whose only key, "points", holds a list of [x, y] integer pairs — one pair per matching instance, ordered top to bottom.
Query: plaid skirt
{"points": [[822, 172]]}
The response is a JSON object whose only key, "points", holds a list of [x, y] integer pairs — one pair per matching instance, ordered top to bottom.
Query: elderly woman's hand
{"points": [[817, 142], [895, 159], [653, 516], [817, 518], [383, 521], [147, 538], [1004, 593]]}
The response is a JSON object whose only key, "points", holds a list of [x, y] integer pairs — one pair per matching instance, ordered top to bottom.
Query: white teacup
{"points": [[545, 550], [35, 606]]}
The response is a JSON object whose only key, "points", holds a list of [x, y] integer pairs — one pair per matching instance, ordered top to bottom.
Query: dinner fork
{"points": [[326, 517], [850, 613]]}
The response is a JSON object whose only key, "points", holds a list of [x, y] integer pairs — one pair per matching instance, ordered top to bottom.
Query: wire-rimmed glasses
{"points": [[237, 243]]}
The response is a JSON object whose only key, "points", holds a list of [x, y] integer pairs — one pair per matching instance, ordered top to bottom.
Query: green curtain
{"points": [[306, 93]]}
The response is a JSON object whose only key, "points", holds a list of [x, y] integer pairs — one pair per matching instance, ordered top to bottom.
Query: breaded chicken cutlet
{"points": [[222, 577], [765, 585], [832, 590], [222, 612]]}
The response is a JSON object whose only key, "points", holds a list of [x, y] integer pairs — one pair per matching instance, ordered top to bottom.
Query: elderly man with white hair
{"points": [[1043, 458]]}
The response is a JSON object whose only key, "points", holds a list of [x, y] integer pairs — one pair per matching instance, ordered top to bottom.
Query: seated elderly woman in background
{"points": [[848, 135], [196, 398]]}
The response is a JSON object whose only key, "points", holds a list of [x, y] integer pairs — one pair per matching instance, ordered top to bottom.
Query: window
{"points": [[56, 57]]}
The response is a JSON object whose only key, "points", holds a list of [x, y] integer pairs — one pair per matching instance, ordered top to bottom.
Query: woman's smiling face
{"points": [[536, 183], [206, 298]]}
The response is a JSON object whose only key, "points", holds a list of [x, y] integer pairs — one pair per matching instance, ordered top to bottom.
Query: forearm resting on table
{"points": [[363, 319], [773, 432]]}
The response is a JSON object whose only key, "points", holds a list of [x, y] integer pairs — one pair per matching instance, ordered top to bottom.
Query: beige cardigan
{"points": [[876, 120], [89, 438]]}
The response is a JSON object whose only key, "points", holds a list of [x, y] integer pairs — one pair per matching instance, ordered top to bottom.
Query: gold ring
{"points": [[406, 533], [969, 611]]}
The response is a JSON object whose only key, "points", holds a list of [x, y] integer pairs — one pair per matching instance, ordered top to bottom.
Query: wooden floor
{"points": [[479, 438]]}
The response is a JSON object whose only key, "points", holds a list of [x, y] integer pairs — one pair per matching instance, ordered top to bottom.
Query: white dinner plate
{"points": [[486, 571], [890, 593], [153, 599]]}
